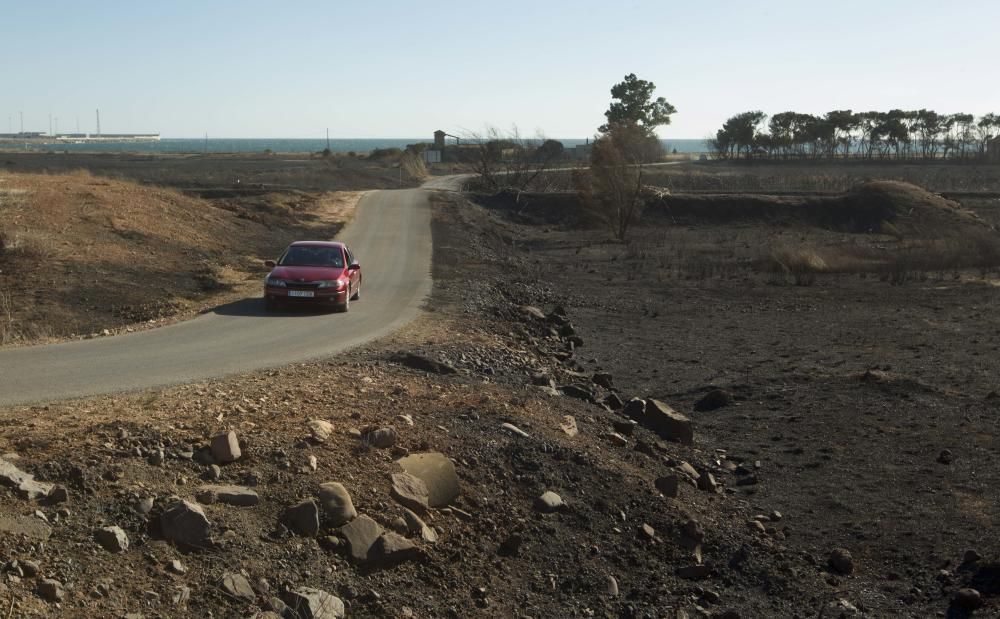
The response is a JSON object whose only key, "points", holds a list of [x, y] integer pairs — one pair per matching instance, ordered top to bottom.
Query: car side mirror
{"points": [[269, 264], [354, 267]]}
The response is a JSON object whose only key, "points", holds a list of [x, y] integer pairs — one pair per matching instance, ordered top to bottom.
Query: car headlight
{"points": [[274, 281], [333, 283]]}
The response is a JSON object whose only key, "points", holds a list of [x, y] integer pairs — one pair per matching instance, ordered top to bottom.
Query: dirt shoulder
{"points": [[84, 255]]}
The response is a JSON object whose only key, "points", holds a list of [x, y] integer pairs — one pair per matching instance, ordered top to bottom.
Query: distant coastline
{"points": [[262, 145]]}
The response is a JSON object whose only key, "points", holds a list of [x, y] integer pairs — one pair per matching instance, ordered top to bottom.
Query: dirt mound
{"points": [[872, 204], [890, 207], [84, 253]]}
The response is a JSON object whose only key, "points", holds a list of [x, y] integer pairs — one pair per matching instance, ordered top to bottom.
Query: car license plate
{"points": [[301, 293]]}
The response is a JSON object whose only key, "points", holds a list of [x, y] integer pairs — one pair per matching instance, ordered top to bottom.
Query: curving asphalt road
{"points": [[391, 235]]}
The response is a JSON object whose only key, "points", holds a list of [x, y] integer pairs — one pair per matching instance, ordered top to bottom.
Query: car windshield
{"points": [[310, 256]]}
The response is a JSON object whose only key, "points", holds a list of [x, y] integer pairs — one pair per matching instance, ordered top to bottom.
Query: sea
{"points": [[282, 145]]}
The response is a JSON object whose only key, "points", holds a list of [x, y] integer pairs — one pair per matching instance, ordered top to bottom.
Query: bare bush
{"points": [[510, 161]]}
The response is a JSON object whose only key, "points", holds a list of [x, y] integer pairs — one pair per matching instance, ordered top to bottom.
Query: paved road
{"points": [[391, 236]]}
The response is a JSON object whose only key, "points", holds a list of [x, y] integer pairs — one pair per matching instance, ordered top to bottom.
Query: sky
{"points": [[401, 69]]}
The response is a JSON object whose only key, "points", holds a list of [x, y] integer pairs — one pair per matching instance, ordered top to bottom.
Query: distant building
{"points": [[581, 152]]}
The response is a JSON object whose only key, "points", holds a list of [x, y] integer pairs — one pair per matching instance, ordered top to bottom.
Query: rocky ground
{"points": [[552, 438]]}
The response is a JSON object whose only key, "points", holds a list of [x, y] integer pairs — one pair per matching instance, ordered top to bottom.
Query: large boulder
{"points": [[667, 422], [437, 471]]}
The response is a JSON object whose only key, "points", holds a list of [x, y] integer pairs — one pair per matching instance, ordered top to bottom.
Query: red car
{"points": [[314, 272]]}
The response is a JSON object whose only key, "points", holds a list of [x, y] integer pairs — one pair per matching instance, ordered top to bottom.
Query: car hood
{"points": [[307, 274]]}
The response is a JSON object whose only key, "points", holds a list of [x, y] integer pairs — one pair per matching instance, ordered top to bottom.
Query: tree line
{"points": [[896, 134]]}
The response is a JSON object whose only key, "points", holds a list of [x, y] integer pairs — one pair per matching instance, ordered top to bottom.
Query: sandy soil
{"points": [[83, 254]]}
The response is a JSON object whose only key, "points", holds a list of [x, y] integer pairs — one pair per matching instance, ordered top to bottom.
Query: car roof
{"points": [[316, 244]]}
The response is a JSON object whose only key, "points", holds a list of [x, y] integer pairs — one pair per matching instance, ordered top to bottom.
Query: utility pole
{"points": [[22, 121], [98, 123], [50, 125], [327, 138]]}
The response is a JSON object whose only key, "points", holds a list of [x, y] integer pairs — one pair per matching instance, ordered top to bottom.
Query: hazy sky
{"points": [[402, 69]]}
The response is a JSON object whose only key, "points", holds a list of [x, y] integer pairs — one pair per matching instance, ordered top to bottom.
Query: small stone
{"points": [[603, 379], [713, 400], [405, 420], [667, 422], [568, 425], [509, 427], [625, 427], [320, 430], [381, 438], [615, 439], [226, 448], [156, 457], [946, 457], [213, 472], [706, 482], [668, 485], [58, 494], [229, 495], [549, 502], [336, 503], [145, 505], [775, 516], [303, 518], [185, 523], [398, 524], [415, 524], [757, 526], [647, 532], [360, 534], [112, 539], [392, 549], [971, 556], [841, 561], [177, 567], [30, 568], [237, 586], [612, 586], [51, 590], [181, 596], [968, 598], [309, 603], [839, 609]]}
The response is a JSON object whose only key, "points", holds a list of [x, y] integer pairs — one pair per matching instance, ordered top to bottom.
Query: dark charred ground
{"points": [[847, 390]]}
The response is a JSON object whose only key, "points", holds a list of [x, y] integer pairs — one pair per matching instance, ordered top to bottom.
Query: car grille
{"points": [[302, 285]]}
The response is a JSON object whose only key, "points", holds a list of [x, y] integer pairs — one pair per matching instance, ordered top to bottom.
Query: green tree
{"points": [[633, 104], [742, 132]]}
